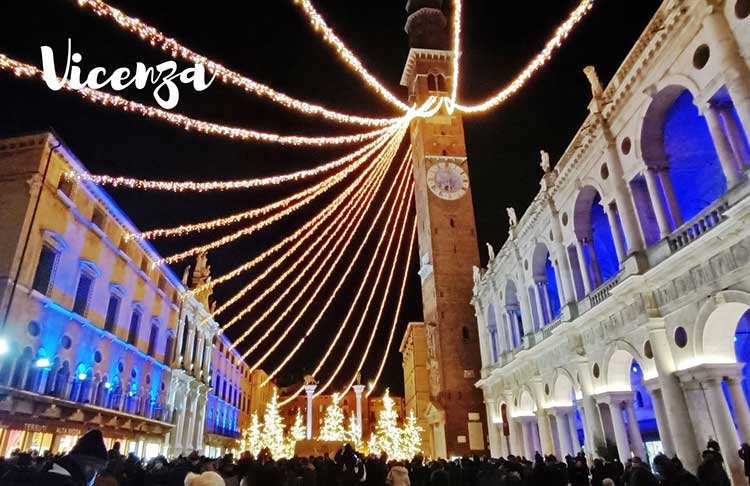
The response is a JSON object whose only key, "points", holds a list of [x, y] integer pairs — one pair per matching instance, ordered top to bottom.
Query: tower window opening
{"points": [[432, 83], [441, 83], [453, 223], [465, 333]]}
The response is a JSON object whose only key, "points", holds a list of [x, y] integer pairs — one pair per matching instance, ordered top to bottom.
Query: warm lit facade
{"points": [[617, 310], [97, 336]]}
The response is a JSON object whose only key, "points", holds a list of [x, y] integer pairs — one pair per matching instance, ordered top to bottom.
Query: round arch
{"points": [[716, 324], [617, 365], [564, 388], [526, 402]]}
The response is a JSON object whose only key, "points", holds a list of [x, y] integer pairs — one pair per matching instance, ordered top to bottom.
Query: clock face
{"points": [[447, 181]]}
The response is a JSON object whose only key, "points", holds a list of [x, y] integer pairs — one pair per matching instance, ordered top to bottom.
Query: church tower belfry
{"points": [[448, 246]]}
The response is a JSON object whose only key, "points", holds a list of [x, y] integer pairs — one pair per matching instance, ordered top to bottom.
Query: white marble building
{"points": [[621, 297]]}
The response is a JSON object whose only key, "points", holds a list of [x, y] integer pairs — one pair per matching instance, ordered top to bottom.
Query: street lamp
{"points": [[4, 348], [82, 376]]}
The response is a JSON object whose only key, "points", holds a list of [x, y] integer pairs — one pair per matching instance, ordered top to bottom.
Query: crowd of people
{"points": [[89, 463]]}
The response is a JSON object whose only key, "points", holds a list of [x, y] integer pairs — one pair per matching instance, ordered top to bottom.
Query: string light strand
{"points": [[157, 38], [345, 54], [23, 70], [520, 81], [311, 299], [394, 325]]}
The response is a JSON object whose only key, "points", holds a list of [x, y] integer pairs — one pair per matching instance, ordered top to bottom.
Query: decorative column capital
{"points": [[358, 389]]}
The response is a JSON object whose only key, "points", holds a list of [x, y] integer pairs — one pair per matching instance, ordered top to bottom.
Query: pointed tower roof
{"points": [[427, 26]]}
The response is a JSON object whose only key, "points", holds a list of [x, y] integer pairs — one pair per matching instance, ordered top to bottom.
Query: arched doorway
{"points": [[595, 248]]}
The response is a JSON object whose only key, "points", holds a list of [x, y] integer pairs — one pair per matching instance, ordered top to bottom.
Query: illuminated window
{"points": [[88, 274], [152, 338]]}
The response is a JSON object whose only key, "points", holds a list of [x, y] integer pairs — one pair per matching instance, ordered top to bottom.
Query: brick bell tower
{"points": [[447, 241]]}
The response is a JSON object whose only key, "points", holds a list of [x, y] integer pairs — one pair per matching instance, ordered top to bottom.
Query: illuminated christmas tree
{"points": [[333, 423], [273, 429], [296, 434], [387, 435], [353, 436], [252, 438], [411, 438]]}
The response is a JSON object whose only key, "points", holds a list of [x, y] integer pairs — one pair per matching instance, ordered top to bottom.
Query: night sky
{"points": [[272, 43]]}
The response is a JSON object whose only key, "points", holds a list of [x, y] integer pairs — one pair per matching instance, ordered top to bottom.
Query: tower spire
{"points": [[427, 26]]}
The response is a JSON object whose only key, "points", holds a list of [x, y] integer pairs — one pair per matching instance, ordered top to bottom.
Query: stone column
{"points": [[725, 48], [735, 136], [723, 149], [666, 184], [654, 192], [623, 198], [614, 226], [594, 263], [562, 267], [588, 285], [544, 289], [563, 297], [527, 316], [542, 316], [513, 321], [483, 333], [207, 355], [198, 356], [187, 357], [358, 389], [309, 390], [739, 404], [190, 416], [678, 418], [200, 422], [662, 423], [618, 425], [724, 426], [594, 431], [634, 431], [563, 434], [536, 436], [516, 438], [528, 438], [575, 443], [495, 445], [545, 445]]}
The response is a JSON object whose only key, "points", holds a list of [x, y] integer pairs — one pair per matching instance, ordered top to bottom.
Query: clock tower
{"points": [[448, 247]]}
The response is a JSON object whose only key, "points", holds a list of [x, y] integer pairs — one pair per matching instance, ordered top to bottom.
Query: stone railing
{"points": [[704, 222], [601, 293], [547, 331]]}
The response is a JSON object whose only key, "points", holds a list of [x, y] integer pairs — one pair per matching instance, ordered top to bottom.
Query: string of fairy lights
{"points": [[297, 271]]}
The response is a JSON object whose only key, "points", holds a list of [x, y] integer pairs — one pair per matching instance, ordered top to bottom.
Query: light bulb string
{"points": [[458, 7], [157, 38], [345, 54], [536, 63], [23, 70], [429, 108], [402, 176], [195, 186], [402, 190], [362, 204], [271, 211], [304, 229], [288, 271], [373, 291], [394, 325]]}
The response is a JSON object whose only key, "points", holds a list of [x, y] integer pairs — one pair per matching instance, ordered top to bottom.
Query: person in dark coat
{"points": [[745, 456], [79, 467], [20, 471], [711, 471], [597, 472], [580, 473], [672, 473], [419, 475], [640, 475]]}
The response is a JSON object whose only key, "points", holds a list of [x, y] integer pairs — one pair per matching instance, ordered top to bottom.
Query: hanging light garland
{"points": [[458, 7], [156, 38], [345, 54], [23, 70], [520, 81], [402, 177], [404, 184], [195, 186], [305, 197], [309, 226], [292, 268], [299, 294], [366, 352], [384, 358], [334, 374]]}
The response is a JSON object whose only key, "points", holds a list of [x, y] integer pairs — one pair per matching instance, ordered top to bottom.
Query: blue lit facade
{"points": [[629, 274]]}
